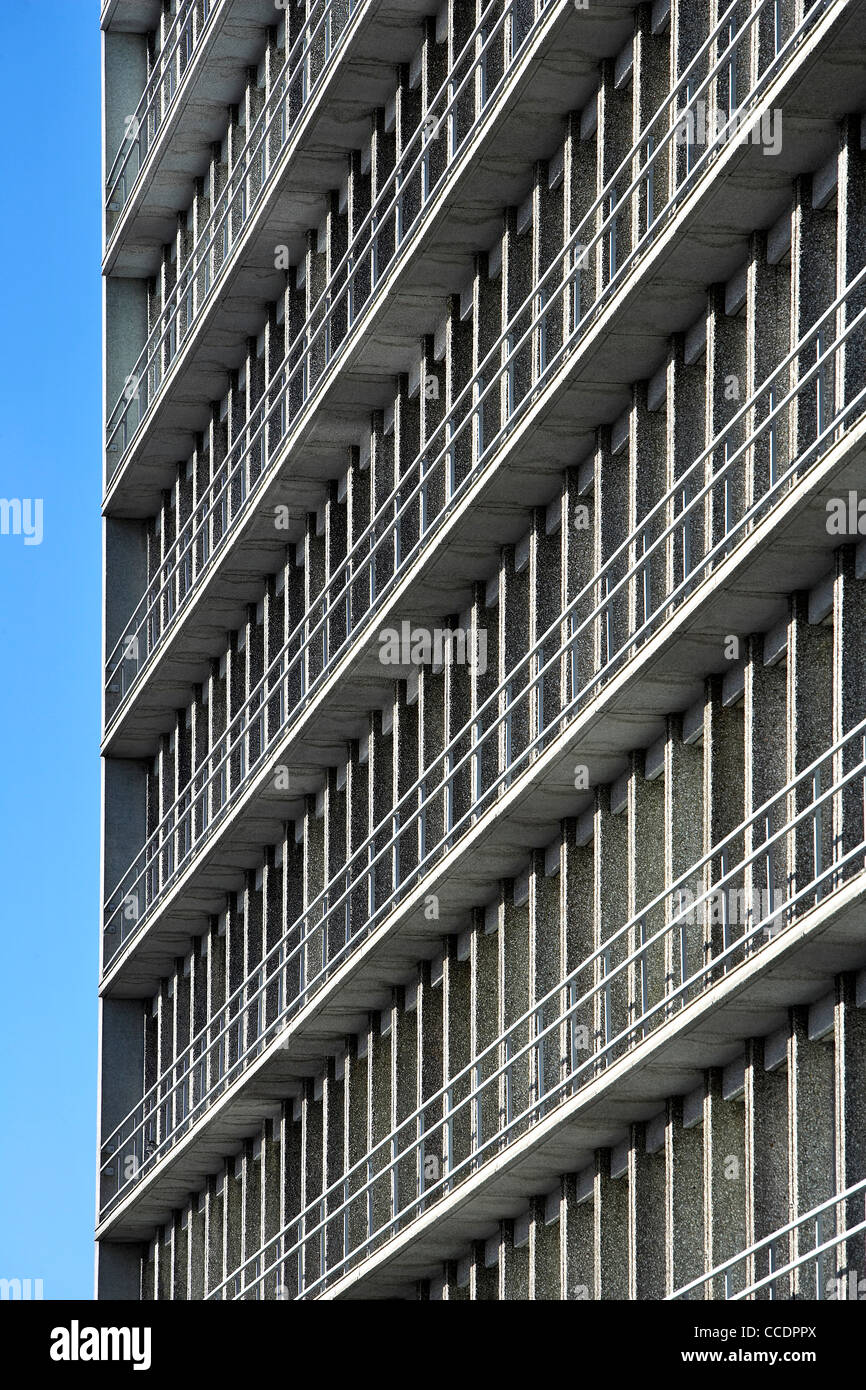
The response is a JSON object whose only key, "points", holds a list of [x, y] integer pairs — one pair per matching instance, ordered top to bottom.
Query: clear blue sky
{"points": [[50, 312]]}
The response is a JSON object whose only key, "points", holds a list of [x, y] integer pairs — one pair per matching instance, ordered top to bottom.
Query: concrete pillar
{"points": [[812, 1153], [684, 1161], [725, 1171], [646, 1195], [769, 1205], [611, 1224], [578, 1236], [544, 1246]]}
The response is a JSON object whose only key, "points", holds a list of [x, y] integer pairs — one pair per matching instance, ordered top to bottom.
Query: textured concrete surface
{"points": [[321, 1070]]}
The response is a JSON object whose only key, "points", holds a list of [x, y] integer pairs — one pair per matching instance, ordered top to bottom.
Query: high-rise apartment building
{"points": [[485, 603]]}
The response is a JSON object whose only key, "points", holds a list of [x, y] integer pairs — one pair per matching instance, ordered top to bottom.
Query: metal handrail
{"points": [[149, 104], [255, 145], [388, 201], [370, 228], [190, 536], [249, 717], [362, 854], [253, 989], [538, 1029], [767, 1242], [805, 1258]]}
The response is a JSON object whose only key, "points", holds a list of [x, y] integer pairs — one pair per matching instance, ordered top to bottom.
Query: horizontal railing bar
{"points": [[185, 19], [224, 484], [254, 704], [660, 901], [629, 1032], [766, 1241]]}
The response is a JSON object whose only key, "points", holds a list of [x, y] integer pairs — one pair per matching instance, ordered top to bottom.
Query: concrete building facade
{"points": [[484, 805]]}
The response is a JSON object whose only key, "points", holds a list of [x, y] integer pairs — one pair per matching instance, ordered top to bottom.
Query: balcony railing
{"points": [[189, 27], [309, 61], [356, 281], [562, 307], [660, 564], [296, 674], [712, 920], [819, 1256]]}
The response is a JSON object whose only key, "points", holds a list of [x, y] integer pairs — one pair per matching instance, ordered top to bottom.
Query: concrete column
{"points": [[651, 86], [614, 139], [548, 236], [850, 236], [814, 276], [458, 338], [768, 340], [726, 378], [686, 431], [646, 486], [611, 496], [849, 699], [810, 714], [765, 740], [724, 776], [124, 801], [684, 816], [646, 876], [314, 879], [580, 932], [548, 966], [516, 987], [485, 994], [612, 1011], [121, 1025], [405, 1090], [381, 1114], [850, 1128], [812, 1156], [684, 1158], [725, 1171], [272, 1188], [292, 1190], [769, 1204], [233, 1213], [646, 1215], [252, 1220], [611, 1224], [214, 1225], [197, 1231], [578, 1236], [544, 1248], [514, 1260], [119, 1272], [484, 1278]]}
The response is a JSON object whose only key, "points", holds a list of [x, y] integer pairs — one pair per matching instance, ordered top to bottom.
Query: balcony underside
{"points": [[130, 16], [362, 79], [548, 86], [181, 149], [664, 294], [790, 551], [798, 967]]}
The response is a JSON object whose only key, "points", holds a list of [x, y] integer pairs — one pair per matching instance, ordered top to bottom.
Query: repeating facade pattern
{"points": [[484, 688]]}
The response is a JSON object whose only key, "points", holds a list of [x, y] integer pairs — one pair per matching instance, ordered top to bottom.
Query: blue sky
{"points": [[50, 620]]}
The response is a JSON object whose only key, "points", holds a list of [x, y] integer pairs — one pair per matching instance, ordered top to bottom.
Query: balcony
{"points": [[199, 71], [318, 108], [614, 333], [291, 685], [465, 791], [677, 983], [819, 1256]]}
